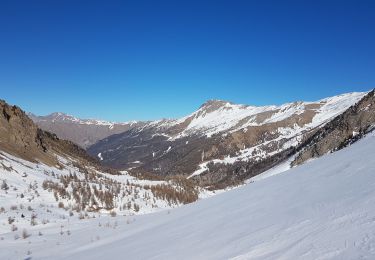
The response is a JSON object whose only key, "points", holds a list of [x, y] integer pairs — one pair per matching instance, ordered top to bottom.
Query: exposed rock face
{"points": [[341, 131], [82, 132], [20, 136], [221, 143]]}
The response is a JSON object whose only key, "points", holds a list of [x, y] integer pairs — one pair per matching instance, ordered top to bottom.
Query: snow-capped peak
{"points": [[217, 116]]}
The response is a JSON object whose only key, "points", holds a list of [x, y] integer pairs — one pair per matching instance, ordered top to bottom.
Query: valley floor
{"points": [[324, 209]]}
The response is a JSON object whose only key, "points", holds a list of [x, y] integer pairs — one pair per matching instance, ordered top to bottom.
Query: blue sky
{"points": [[125, 60]]}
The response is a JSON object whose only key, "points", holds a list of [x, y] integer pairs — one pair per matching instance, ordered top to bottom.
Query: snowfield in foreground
{"points": [[324, 209]]}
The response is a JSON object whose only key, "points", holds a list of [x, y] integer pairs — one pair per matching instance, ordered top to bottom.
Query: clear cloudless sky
{"points": [[129, 60]]}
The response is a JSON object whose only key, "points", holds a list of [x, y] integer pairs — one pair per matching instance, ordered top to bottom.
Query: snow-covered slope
{"points": [[219, 116], [27, 178], [321, 210]]}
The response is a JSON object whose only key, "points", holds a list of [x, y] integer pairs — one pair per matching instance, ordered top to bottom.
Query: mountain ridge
{"points": [[210, 102], [207, 107], [220, 144]]}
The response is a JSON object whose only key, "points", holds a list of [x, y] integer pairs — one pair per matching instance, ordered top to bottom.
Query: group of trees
{"points": [[178, 190], [82, 193]]}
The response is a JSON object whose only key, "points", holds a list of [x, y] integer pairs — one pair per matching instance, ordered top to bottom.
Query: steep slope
{"points": [[83, 132], [20, 137], [221, 143], [321, 210]]}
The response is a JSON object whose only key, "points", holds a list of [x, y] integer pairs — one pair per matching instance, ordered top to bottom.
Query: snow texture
{"points": [[321, 210]]}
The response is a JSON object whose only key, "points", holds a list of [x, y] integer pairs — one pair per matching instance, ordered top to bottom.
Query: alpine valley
{"points": [[221, 144], [261, 183]]}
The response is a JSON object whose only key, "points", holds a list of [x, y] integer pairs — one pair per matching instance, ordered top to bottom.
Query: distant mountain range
{"points": [[84, 132], [218, 145]]}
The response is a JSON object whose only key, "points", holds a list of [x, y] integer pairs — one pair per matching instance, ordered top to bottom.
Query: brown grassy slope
{"points": [[20, 137]]}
